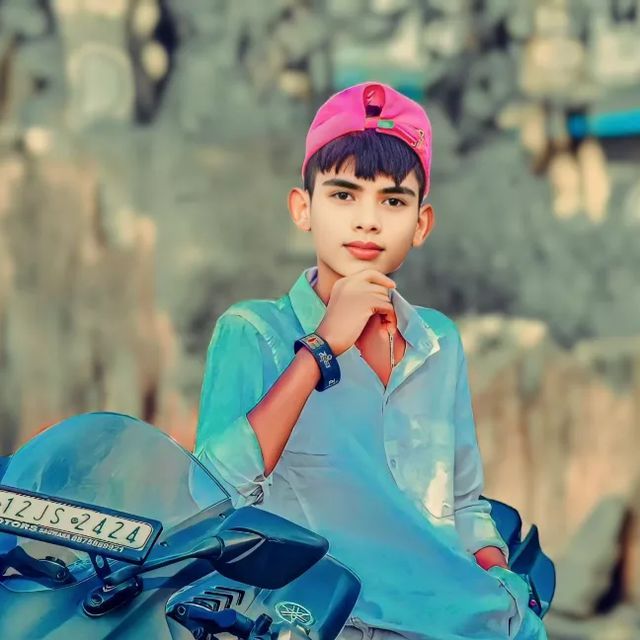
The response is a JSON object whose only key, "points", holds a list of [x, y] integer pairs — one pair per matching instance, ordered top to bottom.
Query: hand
{"points": [[354, 299], [489, 557], [519, 590]]}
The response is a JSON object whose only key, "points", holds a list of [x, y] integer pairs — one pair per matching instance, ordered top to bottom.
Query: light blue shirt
{"points": [[390, 476]]}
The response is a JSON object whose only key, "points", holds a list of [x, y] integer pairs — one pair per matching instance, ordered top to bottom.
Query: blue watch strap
{"points": [[327, 361]]}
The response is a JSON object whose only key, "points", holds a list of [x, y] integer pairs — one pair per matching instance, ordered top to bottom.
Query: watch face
{"points": [[314, 341]]}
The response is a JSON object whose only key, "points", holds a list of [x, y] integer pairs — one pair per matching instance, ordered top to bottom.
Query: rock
{"points": [[346, 10], [23, 17], [145, 18], [519, 21], [300, 36], [446, 36], [616, 54], [155, 60], [552, 68], [100, 72], [490, 84], [530, 119], [446, 140], [565, 179], [596, 183], [631, 207], [77, 309], [539, 412], [631, 551], [584, 572], [622, 623]]}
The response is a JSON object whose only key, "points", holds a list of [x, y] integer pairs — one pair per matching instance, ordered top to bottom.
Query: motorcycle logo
{"points": [[294, 613]]}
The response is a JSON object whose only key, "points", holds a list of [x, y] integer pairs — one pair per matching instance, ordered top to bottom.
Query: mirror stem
{"points": [[230, 545], [210, 549]]}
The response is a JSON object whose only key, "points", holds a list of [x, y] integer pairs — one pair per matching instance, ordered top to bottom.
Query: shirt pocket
{"points": [[425, 470]]}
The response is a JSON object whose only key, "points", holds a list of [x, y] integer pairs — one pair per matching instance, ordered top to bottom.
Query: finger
{"points": [[377, 277], [382, 290], [384, 307], [389, 322]]}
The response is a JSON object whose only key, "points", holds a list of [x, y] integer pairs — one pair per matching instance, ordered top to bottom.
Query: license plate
{"points": [[77, 525]]}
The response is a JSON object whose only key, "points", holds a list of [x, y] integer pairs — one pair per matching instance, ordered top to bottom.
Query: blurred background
{"points": [[146, 151]]}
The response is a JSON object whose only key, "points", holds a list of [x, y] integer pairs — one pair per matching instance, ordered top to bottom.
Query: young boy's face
{"points": [[346, 209]]}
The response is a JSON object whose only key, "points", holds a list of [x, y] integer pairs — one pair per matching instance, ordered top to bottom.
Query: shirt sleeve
{"points": [[233, 384], [474, 523], [524, 624]]}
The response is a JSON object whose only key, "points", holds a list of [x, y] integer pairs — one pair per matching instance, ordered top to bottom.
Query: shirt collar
{"points": [[310, 309]]}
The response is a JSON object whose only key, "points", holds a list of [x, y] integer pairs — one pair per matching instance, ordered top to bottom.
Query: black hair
{"points": [[374, 153]]}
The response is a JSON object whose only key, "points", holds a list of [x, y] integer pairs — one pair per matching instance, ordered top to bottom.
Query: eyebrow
{"points": [[338, 182]]}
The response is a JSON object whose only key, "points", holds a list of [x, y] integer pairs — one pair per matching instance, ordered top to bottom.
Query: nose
{"points": [[366, 218]]}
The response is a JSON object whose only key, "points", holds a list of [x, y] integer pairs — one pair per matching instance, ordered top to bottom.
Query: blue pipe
{"points": [[606, 125]]}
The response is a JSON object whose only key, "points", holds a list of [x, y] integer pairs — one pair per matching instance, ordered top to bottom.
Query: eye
{"points": [[341, 195], [396, 203]]}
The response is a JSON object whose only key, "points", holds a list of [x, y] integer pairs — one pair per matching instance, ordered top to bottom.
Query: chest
{"points": [[376, 350]]}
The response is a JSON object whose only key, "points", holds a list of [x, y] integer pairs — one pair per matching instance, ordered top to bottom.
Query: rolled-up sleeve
{"points": [[233, 383], [474, 523]]}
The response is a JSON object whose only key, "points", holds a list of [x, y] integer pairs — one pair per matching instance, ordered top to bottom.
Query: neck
{"points": [[327, 277]]}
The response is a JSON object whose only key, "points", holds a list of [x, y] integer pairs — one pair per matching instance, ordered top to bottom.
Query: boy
{"points": [[344, 408]]}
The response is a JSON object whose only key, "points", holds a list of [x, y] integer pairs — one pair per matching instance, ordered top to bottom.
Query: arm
{"points": [[241, 430], [473, 514], [475, 526]]}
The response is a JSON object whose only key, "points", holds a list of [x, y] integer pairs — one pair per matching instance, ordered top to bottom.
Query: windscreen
{"points": [[111, 461]]}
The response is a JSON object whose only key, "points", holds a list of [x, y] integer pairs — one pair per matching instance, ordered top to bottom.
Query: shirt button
{"points": [[393, 462]]}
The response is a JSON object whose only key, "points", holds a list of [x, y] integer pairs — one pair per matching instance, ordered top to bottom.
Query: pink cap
{"points": [[345, 112]]}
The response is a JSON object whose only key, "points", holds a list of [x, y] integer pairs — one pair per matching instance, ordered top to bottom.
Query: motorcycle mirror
{"points": [[252, 546], [279, 553]]}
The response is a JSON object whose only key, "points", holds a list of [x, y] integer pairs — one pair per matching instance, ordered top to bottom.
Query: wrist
{"points": [[325, 333], [326, 360], [312, 365]]}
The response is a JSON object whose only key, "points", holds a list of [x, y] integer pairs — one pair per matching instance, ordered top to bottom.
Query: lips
{"points": [[364, 245], [364, 250]]}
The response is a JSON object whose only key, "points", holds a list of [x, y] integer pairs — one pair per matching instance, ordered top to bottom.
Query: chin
{"points": [[345, 270]]}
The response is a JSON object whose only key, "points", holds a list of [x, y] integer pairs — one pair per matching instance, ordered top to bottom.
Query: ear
{"points": [[299, 203], [425, 224]]}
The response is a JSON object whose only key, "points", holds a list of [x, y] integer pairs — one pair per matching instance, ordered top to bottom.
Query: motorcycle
{"points": [[110, 529]]}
